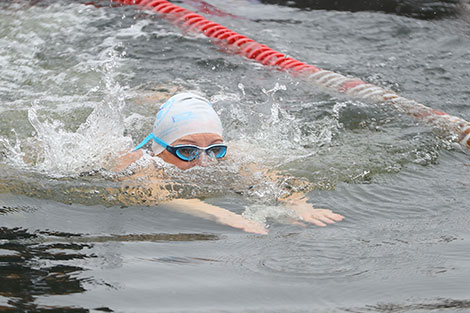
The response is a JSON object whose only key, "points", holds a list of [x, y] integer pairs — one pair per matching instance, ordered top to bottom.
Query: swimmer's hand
{"points": [[124, 160], [307, 213], [220, 215]]}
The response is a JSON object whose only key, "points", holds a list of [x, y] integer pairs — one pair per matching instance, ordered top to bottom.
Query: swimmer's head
{"points": [[184, 114], [187, 119]]}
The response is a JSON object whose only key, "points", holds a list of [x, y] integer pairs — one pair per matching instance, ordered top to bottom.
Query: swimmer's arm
{"points": [[124, 160], [201, 209], [307, 213]]}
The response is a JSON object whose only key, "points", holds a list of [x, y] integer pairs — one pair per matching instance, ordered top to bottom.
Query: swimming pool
{"points": [[81, 82]]}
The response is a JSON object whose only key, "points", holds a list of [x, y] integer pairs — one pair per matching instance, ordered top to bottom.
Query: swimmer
{"points": [[188, 133]]}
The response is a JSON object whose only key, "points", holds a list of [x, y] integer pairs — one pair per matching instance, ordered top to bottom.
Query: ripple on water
{"points": [[412, 194], [409, 225], [303, 256], [181, 260], [38, 269]]}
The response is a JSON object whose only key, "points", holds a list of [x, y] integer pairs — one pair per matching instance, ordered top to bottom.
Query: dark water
{"points": [[423, 9], [80, 83]]}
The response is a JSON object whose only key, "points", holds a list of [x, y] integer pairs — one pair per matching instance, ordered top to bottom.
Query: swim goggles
{"points": [[187, 153]]}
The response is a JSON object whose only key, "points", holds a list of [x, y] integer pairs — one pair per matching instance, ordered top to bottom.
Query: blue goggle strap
{"points": [[148, 138]]}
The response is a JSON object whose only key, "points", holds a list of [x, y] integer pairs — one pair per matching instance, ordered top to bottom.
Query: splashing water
{"points": [[270, 124], [275, 127], [96, 141], [13, 152]]}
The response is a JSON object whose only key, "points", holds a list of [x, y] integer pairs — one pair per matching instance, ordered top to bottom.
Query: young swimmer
{"points": [[188, 133]]}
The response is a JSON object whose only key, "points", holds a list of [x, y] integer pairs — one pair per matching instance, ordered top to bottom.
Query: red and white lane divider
{"points": [[353, 87]]}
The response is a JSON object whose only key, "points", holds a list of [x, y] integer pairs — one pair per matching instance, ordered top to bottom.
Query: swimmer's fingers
{"points": [[308, 214], [327, 216], [321, 217], [330, 217], [316, 222], [299, 223]]}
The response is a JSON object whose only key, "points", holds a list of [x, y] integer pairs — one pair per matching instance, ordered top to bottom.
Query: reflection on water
{"points": [[78, 237], [42, 263], [28, 273], [439, 305]]}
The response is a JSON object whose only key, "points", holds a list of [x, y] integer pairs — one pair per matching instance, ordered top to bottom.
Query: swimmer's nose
{"points": [[204, 159]]}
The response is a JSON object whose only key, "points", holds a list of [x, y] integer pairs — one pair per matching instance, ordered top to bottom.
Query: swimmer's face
{"points": [[200, 140]]}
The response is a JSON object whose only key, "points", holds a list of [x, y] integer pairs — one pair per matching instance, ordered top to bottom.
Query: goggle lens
{"points": [[217, 151], [187, 153]]}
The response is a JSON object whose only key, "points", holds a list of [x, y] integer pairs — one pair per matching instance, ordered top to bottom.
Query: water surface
{"points": [[81, 83]]}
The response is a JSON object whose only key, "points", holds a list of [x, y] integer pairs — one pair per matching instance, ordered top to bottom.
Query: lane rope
{"points": [[351, 86]]}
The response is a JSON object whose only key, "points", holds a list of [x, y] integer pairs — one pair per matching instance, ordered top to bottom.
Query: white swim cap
{"points": [[184, 114]]}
